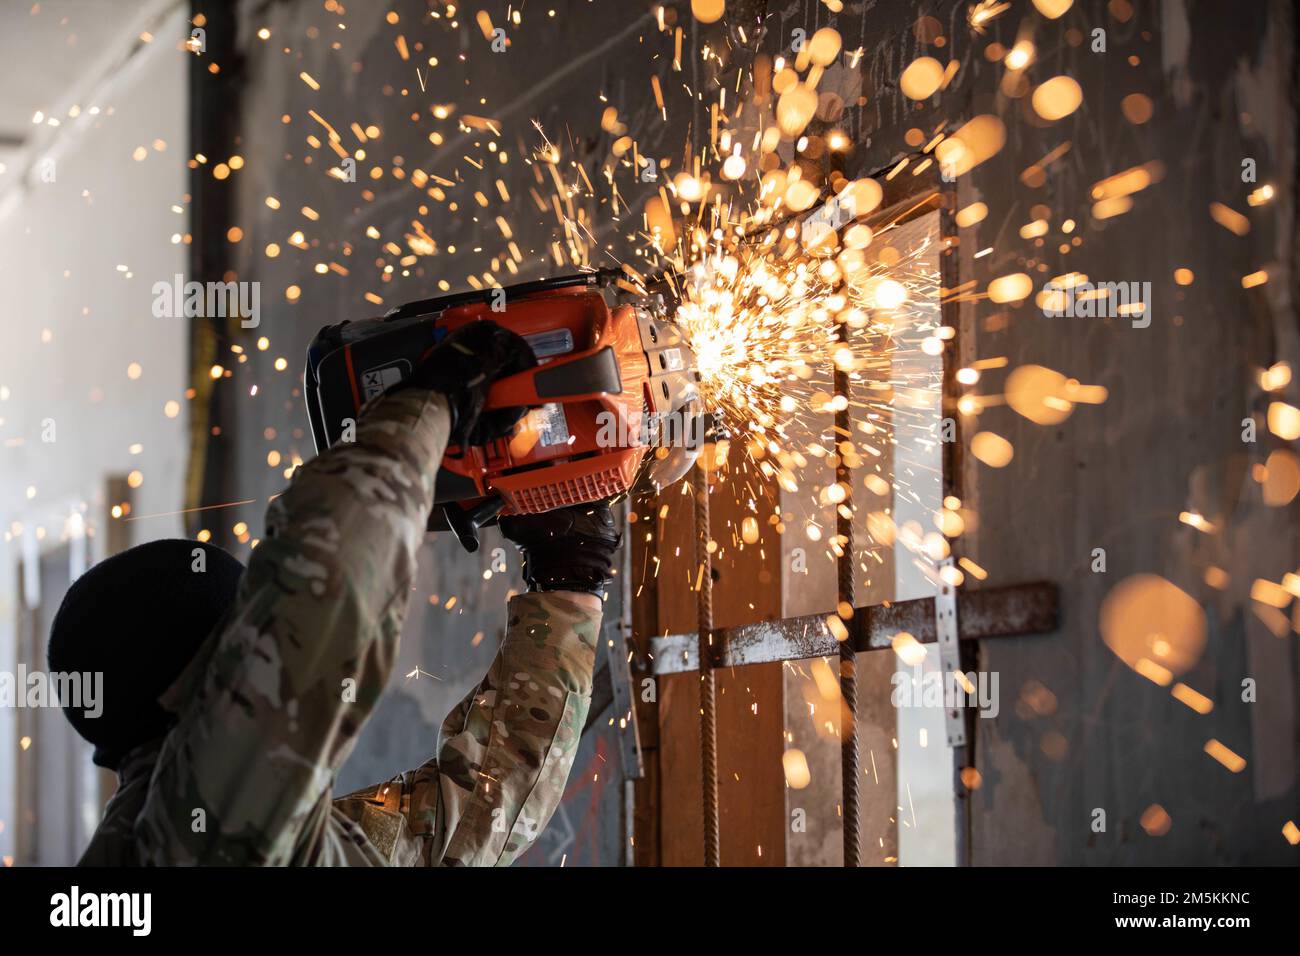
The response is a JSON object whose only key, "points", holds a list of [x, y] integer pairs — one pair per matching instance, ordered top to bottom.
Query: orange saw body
{"points": [[609, 376]]}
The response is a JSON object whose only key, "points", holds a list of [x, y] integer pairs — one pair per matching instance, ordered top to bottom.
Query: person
{"points": [[227, 743]]}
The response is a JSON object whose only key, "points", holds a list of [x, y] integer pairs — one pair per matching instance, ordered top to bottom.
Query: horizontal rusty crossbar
{"points": [[1017, 609]]}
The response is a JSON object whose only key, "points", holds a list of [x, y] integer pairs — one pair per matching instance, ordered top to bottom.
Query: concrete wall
{"points": [[1169, 439], [1078, 732]]}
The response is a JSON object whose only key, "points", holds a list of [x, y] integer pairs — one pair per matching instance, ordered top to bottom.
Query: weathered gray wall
{"points": [[1222, 78], [1169, 439]]}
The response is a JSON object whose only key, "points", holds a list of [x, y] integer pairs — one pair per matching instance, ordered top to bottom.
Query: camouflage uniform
{"points": [[273, 704]]}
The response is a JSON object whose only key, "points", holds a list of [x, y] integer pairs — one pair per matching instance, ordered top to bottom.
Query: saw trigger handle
{"points": [[465, 522]]}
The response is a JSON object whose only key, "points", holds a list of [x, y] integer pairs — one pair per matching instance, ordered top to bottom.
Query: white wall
{"points": [[73, 323]]}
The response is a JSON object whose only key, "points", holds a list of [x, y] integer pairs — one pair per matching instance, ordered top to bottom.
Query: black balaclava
{"points": [[138, 618]]}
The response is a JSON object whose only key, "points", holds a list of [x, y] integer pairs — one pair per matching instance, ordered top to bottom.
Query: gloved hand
{"points": [[463, 366], [569, 549]]}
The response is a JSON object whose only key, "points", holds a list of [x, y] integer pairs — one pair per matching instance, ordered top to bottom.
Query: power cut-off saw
{"points": [[615, 388]]}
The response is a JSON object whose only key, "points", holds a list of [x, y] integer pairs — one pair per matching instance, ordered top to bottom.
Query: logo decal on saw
{"points": [[376, 381], [550, 424]]}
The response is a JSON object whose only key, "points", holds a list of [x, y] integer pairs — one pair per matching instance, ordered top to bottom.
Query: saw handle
{"points": [[575, 378], [465, 522]]}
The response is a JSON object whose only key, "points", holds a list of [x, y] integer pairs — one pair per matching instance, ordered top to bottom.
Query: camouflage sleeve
{"points": [[274, 704], [507, 749]]}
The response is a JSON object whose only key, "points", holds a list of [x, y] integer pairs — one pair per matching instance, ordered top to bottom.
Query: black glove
{"points": [[463, 367], [569, 549]]}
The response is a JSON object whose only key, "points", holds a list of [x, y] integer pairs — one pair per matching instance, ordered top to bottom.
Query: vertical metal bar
{"points": [[215, 106], [945, 629], [618, 636], [848, 657], [708, 713], [963, 744], [647, 811]]}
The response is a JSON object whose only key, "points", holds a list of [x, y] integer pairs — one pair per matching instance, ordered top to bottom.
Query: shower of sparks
{"points": [[981, 14], [770, 321], [764, 322]]}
